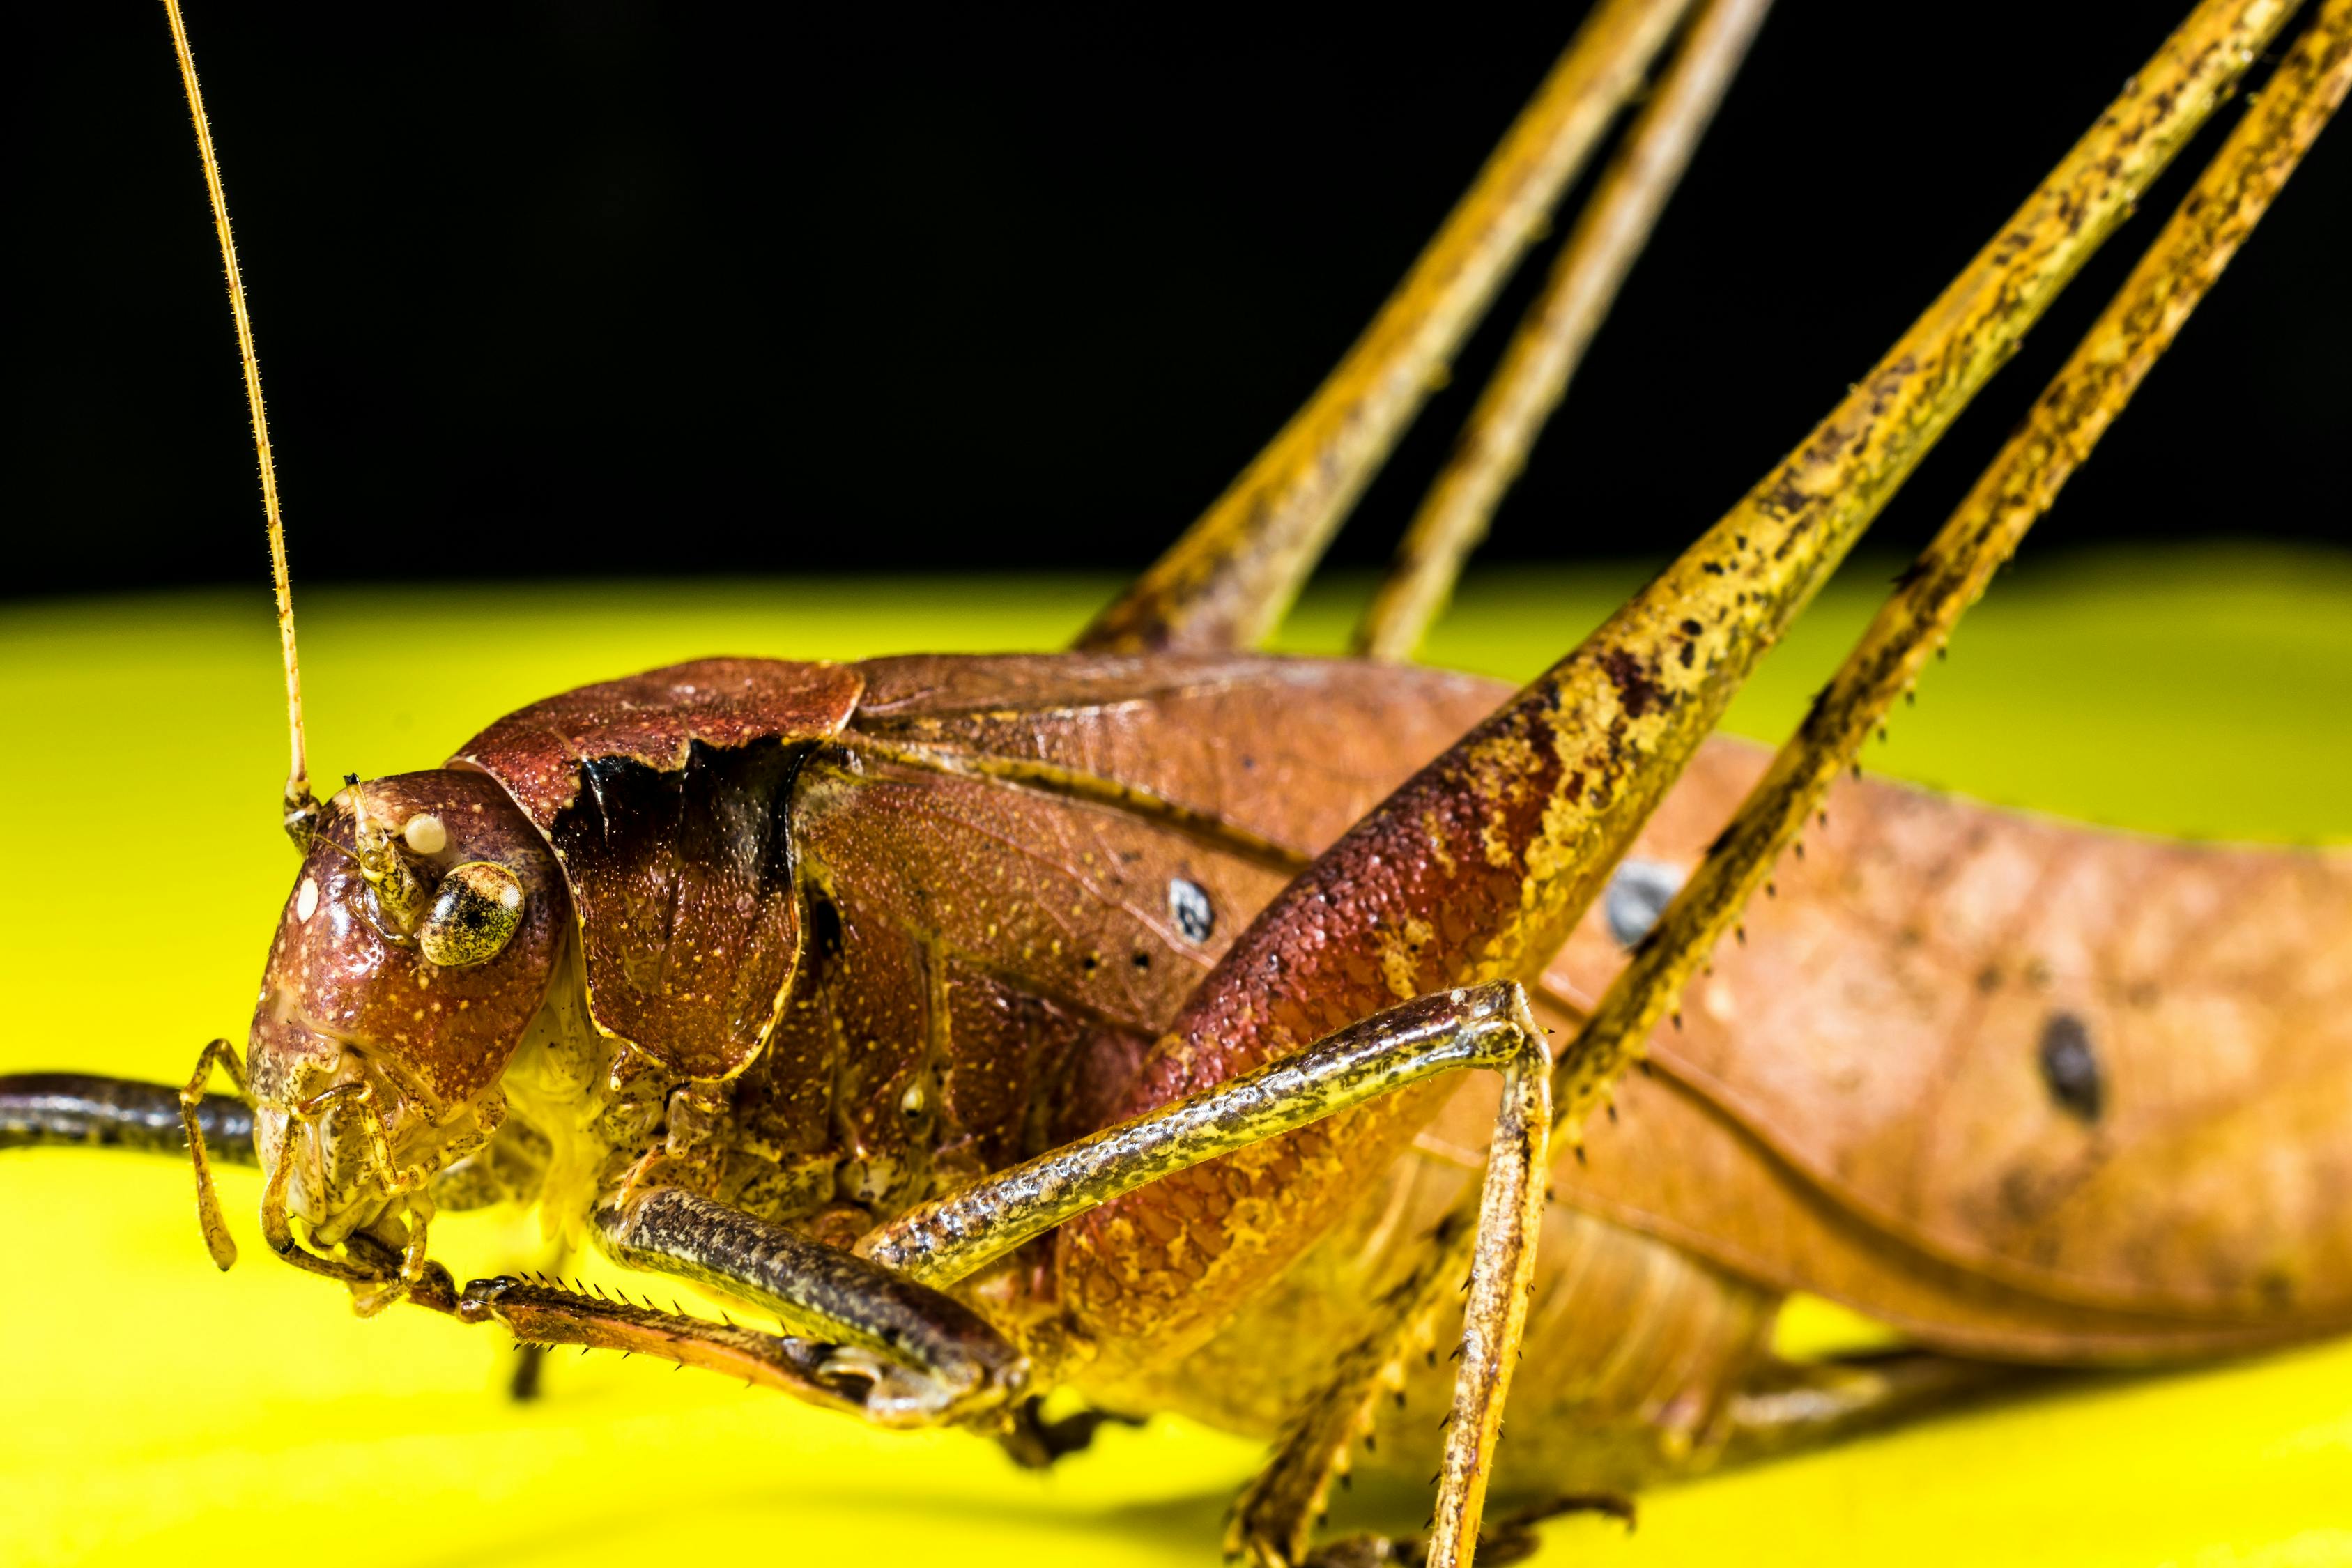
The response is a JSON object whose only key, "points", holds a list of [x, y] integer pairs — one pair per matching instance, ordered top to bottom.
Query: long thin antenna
{"points": [[301, 809]]}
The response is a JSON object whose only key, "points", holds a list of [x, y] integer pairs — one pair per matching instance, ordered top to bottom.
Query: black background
{"points": [[607, 289]]}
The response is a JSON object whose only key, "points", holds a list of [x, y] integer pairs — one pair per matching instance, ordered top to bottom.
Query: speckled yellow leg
{"points": [[1543, 351], [2066, 421], [1226, 583], [1479, 868], [1494, 1261]]}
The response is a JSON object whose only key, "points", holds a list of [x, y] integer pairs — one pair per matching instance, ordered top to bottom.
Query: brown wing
{"points": [[1287, 750], [664, 796], [1029, 862], [1014, 873], [2107, 1073], [1676, 1166]]}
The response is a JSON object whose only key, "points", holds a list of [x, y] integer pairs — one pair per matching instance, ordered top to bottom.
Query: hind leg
{"points": [[1226, 583], [1644, 1365], [1788, 1407]]}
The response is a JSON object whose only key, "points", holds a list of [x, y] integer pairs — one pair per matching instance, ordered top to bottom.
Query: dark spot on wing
{"points": [[2070, 1069], [2277, 1286]]}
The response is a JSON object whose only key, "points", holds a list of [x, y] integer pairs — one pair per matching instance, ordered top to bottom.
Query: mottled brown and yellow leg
{"points": [[1551, 337], [2066, 421], [1479, 868], [1785, 1406]]}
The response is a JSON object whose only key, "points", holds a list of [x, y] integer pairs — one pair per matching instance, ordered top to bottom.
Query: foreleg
{"points": [[50, 1108], [542, 1314], [922, 1357], [531, 1360]]}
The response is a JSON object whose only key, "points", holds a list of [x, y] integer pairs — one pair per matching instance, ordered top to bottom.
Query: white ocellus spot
{"points": [[425, 835], [1638, 894], [306, 902], [1188, 906]]}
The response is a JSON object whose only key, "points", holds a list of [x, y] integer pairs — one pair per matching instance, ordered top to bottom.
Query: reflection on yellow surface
{"points": [[153, 1410]]}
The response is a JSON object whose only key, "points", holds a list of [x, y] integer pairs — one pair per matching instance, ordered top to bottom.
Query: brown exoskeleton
{"points": [[1000, 1023]]}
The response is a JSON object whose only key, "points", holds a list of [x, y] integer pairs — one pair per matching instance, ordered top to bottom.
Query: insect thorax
{"points": [[895, 1073]]}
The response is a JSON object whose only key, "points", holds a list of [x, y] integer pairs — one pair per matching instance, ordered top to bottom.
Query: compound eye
{"points": [[473, 915]]}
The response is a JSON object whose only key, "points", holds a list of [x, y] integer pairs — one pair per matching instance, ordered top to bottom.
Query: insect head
{"points": [[420, 939]]}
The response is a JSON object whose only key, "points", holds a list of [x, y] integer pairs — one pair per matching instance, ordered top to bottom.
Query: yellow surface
{"points": [[152, 1410]]}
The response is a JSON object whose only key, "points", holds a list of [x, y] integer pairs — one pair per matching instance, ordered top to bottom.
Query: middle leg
{"points": [[1492, 1257]]}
